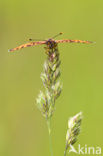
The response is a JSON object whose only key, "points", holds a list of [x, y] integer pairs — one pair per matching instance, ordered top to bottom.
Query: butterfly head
{"points": [[51, 44]]}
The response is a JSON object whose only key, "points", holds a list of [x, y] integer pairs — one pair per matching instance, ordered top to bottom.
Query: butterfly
{"points": [[51, 43]]}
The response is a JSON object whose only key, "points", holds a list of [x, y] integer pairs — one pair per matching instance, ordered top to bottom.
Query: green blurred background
{"points": [[23, 130]]}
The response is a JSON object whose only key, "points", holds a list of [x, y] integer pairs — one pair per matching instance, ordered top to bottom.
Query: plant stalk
{"points": [[50, 136]]}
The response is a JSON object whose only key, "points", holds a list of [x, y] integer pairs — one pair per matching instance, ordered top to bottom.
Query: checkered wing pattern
{"points": [[72, 41], [27, 45]]}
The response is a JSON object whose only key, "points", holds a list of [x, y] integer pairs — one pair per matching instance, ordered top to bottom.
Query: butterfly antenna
{"points": [[57, 35], [30, 39]]}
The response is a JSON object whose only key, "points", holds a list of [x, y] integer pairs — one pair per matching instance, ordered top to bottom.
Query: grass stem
{"points": [[50, 136]]}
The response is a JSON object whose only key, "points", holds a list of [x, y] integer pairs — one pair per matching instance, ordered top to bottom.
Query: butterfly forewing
{"points": [[72, 41], [27, 45]]}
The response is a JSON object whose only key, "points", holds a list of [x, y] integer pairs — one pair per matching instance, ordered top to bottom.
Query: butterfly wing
{"points": [[72, 41], [27, 45]]}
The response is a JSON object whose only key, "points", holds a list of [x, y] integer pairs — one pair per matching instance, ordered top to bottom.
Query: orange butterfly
{"points": [[50, 43]]}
